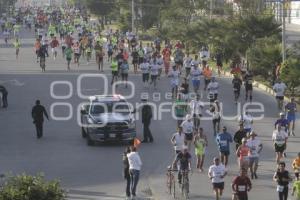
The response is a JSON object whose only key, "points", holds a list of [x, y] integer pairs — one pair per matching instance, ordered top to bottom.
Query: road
{"points": [[96, 172]]}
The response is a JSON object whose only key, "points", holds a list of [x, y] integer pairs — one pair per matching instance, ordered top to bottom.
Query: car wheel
{"points": [[83, 133], [89, 141]]}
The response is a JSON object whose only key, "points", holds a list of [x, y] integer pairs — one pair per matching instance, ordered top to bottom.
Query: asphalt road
{"points": [[96, 172]]}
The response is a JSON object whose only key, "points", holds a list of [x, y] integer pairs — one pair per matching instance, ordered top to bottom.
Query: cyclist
{"points": [[17, 46], [145, 68], [195, 74], [174, 75], [236, 82], [248, 82], [212, 88], [279, 89], [196, 107], [291, 109], [188, 127], [239, 135], [279, 139], [177, 140], [223, 141], [200, 142], [256, 147], [242, 153], [184, 158], [296, 165], [216, 174], [282, 177], [241, 185]]}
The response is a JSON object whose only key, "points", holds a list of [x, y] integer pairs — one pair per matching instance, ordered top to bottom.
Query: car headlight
{"points": [[131, 125]]}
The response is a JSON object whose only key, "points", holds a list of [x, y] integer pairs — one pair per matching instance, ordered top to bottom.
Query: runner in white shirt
{"points": [[160, 62], [187, 63], [145, 68], [153, 72], [196, 73], [174, 75], [212, 88], [279, 89], [196, 107], [247, 120], [188, 128], [279, 139], [178, 140], [256, 147], [217, 173]]}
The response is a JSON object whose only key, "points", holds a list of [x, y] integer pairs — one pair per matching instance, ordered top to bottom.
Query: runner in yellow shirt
{"points": [[296, 165], [296, 188]]}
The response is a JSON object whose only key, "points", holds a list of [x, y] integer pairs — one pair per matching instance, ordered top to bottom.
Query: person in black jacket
{"points": [[4, 96], [38, 112], [146, 120], [126, 171]]}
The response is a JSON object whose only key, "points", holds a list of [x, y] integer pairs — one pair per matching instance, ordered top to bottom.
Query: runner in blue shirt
{"points": [[291, 109], [283, 122], [223, 140]]}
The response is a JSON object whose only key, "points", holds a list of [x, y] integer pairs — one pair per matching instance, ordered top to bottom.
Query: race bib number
{"points": [[223, 143], [241, 188], [280, 188]]}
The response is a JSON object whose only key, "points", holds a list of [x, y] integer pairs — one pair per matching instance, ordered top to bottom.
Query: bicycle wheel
{"points": [[169, 185]]}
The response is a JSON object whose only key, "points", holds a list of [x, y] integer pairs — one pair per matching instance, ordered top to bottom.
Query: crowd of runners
{"points": [[70, 33]]}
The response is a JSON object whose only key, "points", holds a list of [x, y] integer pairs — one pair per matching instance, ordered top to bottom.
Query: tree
{"points": [[290, 71], [26, 187]]}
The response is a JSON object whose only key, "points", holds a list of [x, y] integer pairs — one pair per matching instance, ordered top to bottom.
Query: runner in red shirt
{"points": [[241, 185]]}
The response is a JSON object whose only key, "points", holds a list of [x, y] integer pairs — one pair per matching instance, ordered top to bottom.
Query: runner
{"points": [[54, 45], [17, 46], [76, 50], [68, 52], [88, 53], [99, 53], [167, 58], [135, 59], [187, 64], [145, 68], [114, 70], [124, 72], [154, 72], [207, 72], [195, 74], [174, 75], [248, 81], [237, 83], [212, 88], [184, 89], [279, 89], [196, 107], [180, 109], [291, 109], [215, 110], [247, 121], [283, 122], [187, 128], [239, 135], [279, 139], [177, 140], [223, 141], [200, 142], [256, 147], [242, 153], [296, 165], [216, 174], [282, 177], [241, 185], [296, 187]]}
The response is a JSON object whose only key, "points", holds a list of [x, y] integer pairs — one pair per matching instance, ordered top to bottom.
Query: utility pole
{"points": [[210, 9], [132, 16], [283, 31]]}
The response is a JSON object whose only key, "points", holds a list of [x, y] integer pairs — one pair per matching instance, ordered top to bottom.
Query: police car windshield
{"points": [[110, 107]]}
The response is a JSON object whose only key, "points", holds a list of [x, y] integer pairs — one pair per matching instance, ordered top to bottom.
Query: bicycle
{"points": [[171, 182], [185, 184]]}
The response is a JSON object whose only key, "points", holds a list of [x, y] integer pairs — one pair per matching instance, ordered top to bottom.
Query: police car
{"points": [[108, 118]]}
